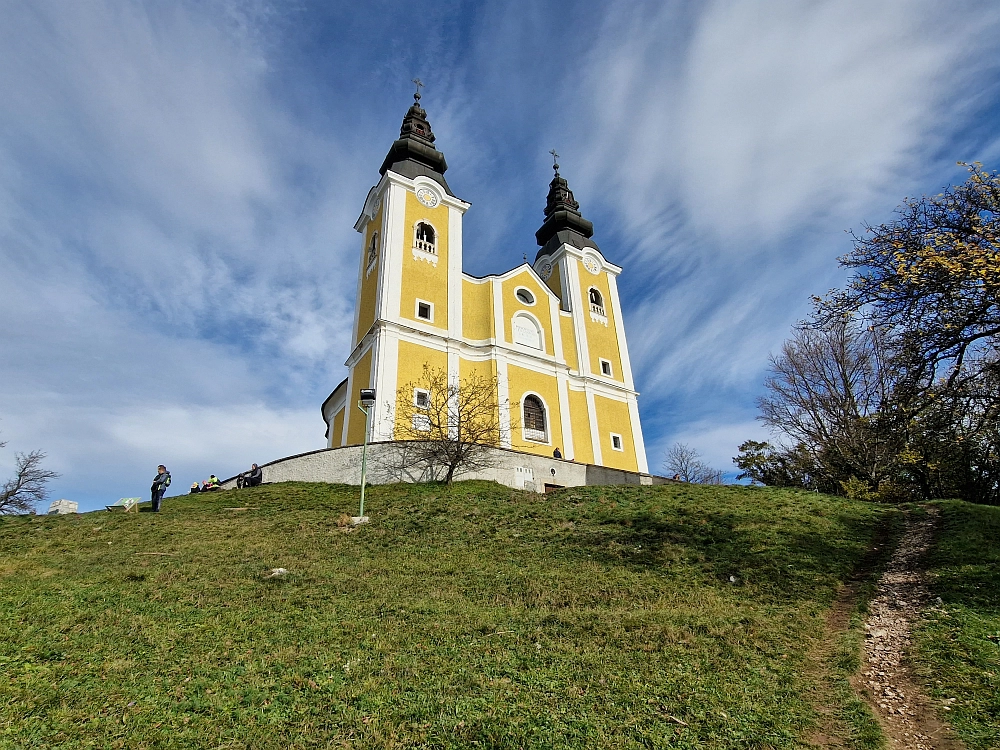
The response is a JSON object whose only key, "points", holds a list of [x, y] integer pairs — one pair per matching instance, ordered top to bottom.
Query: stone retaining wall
{"points": [[388, 463]]}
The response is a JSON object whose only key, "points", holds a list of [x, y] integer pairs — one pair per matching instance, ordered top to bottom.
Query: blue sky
{"points": [[179, 181]]}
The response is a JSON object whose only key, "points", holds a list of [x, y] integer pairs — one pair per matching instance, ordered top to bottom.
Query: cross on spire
{"points": [[419, 84], [555, 160]]}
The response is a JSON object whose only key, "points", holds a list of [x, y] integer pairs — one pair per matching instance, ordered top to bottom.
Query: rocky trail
{"points": [[906, 714]]}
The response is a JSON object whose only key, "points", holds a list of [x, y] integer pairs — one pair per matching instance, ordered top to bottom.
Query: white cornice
{"points": [[448, 200], [579, 254], [484, 351]]}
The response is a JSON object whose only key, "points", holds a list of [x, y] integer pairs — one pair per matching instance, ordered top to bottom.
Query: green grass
{"points": [[473, 616], [958, 645]]}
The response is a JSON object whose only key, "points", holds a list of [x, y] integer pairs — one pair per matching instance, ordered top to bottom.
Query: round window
{"points": [[525, 296]]}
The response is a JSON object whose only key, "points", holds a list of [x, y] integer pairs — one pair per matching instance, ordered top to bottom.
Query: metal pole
{"points": [[364, 462]]}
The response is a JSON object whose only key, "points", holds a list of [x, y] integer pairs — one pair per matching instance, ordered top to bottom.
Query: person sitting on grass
{"points": [[255, 477], [210, 484], [195, 488]]}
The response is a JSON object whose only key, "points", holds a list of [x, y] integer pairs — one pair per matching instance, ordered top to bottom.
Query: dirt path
{"points": [[905, 712]]}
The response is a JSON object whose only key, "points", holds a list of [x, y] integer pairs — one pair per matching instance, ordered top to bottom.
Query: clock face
{"points": [[427, 197], [591, 264], [545, 270]]}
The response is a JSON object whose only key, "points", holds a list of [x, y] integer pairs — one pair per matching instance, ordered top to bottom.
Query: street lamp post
{"points": [[366, 402]]}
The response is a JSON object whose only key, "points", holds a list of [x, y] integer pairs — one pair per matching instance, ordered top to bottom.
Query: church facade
{"points": [[549, 333]]}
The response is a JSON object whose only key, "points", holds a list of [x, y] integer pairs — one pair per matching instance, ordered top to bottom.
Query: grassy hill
{"points": [[472, 616]]}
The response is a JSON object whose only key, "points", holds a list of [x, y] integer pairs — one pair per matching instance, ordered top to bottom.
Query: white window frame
{"points": [[531, 294], [416, 310], [538, 326], [611, 370], [417, 393], [546, 415], [421, 423], [621, 443]]}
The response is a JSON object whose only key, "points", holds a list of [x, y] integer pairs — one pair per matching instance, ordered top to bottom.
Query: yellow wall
{"points": [[421, 279], [369, 284], [555, 284], [477, 310], [540, 310], [569, 340], [602, 340], [410, 369], [362, 379], [521, 381], [612, 416], [337, 433], [583, 449]]}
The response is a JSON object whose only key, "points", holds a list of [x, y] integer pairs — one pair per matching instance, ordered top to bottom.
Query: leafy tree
{"points": [[931, 281], [450, 425], [685, 462], [775, 466]]}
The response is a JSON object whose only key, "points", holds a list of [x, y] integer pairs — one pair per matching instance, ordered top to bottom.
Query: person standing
{"points": [[160, 484]]}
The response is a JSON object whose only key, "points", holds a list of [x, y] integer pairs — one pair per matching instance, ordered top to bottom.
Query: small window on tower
{"points": [[424, 238], [372, 249], [425, 310], [606, 368], [421, 398], [616, 442]]}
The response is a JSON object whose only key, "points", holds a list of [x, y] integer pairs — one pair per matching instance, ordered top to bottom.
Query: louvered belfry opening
{"points": [[534, 418]]}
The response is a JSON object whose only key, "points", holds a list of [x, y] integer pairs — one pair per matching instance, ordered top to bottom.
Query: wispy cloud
{"points": [[178, 186]]}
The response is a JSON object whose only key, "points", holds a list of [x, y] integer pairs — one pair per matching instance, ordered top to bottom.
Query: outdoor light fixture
{"points": [[365, 403]]}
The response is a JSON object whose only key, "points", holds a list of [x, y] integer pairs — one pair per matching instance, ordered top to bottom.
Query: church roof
{"points": [[414, 154], [563, 221]]}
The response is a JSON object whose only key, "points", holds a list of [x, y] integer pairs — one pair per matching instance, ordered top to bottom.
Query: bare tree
{"points": [[830, 390], [450, 425], [685, 462], [26, 488]]}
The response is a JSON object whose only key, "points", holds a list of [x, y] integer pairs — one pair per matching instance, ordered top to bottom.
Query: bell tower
{"points": [[409, 276]]}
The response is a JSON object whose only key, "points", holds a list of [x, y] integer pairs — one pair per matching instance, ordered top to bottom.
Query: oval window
{"points": [[525, 296]]}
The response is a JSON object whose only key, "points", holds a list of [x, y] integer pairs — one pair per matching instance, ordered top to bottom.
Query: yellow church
{"points": [[551, 334]]}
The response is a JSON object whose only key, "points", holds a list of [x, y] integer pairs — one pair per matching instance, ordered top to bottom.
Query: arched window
{"points": [[424, 238], [372, 249], [596, 301], [526, 331], [533, 413]]}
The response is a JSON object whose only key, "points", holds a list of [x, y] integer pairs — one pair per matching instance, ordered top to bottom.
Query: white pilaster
{"points": [[397, 242], [454, 272], [616, 306], [579, 312], [499, 324], [386, 376], [562, 381], [503, 394], [595, 435], [637, 441]]}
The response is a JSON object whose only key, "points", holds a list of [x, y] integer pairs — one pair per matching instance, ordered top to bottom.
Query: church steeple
{"points": [[414, 154], [563, 221]]}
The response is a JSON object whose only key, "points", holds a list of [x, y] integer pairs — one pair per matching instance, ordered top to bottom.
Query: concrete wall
{"points": [[392, 462]]}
